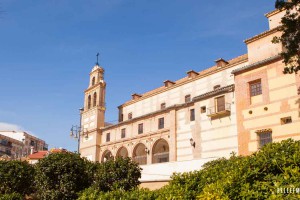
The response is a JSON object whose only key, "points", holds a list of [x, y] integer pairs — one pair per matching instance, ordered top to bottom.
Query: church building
{"points": [[237, 105]]}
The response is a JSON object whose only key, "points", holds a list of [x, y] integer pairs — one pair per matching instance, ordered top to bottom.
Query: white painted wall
{"points": [[163, 171]]}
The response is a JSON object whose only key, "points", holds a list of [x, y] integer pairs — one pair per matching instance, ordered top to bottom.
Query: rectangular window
{"points": [[255, 88], [187, 98], [220, 104], [162, 106], [203, 109], [192, 115], [130, 116], [286, 120], [161, 123], [141, 128], [123, 133], [107, 137], [264, 138]]}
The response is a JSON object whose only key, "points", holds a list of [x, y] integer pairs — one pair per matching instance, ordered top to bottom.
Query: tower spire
{"points": [[97, 63]]}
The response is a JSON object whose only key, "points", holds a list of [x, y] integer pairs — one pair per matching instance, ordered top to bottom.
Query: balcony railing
{"points": [[219, 110], [161, 157], [141, 160]]}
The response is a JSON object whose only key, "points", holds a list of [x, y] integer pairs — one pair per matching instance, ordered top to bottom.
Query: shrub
{"points": [[121, 173], [16, 176], [62, 176], [259, 176], [136, 194], [12, 196]]}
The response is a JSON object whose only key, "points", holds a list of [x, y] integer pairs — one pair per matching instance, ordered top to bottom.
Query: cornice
{"points": [[274, 12], [262, 35], [257, 64], [94, 86], [222, 90]]}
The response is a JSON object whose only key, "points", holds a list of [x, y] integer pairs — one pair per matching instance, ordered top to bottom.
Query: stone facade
{"points": [[272, 114]]}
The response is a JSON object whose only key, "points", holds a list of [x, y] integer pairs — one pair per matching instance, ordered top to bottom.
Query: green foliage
{"points": [[291, 34], [121, 173], [16, 176], [61, 176], [258, 176], [136, 194], [12, 196]]}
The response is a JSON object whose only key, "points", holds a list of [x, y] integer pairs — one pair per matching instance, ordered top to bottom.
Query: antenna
{"points": [[97, 63]]}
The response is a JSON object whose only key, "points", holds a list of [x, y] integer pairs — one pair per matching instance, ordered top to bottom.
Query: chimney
{"points": [[221, 62], [192, 74], [168, 83], [136, 96], [31, 150]]}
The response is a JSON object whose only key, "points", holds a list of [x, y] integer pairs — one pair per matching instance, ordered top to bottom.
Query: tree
{"points": [[290, 34], [121, 173], [62, 176], [16, 177]]}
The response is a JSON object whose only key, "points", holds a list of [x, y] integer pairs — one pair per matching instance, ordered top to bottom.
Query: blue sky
{"points": [[48, 48]]}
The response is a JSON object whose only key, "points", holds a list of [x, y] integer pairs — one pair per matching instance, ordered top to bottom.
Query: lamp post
{"points": [[77, 131]]}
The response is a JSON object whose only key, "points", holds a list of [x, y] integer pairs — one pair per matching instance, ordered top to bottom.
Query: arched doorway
{"points": [[160, 151], [122, 152], [139, 154], [107, 155]]}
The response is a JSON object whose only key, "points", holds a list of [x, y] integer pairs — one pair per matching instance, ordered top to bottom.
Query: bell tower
{"points": [[92, 116]]}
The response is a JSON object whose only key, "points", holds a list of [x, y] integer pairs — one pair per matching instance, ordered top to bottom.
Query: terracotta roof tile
{"points": [[38, 155]]}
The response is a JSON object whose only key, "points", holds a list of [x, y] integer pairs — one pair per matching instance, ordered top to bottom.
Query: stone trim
{"points": [[274, 12], [262, 35], [257, 64], [94, 86], [229, 88], [265, 130]]}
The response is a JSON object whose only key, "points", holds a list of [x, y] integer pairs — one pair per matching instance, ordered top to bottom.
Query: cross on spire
{"points": [[97, 63]]}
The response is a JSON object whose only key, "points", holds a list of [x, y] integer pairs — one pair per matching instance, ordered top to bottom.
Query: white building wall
{"points": [[176, 95]]}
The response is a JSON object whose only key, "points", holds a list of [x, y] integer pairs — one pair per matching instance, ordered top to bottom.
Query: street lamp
{"points": [[78, 131], [22, 148]]}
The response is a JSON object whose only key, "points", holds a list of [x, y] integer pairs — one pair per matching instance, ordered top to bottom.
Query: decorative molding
{"points": [[274, 12], [262, 35], [257, 64], [229, 88], [266, 130]]}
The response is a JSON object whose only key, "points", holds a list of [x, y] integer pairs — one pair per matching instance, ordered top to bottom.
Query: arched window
{"points": [[93, 81], [95, 99], [89, 101], [160, 151], [122, 152], [140, 154], [107, 155]]}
